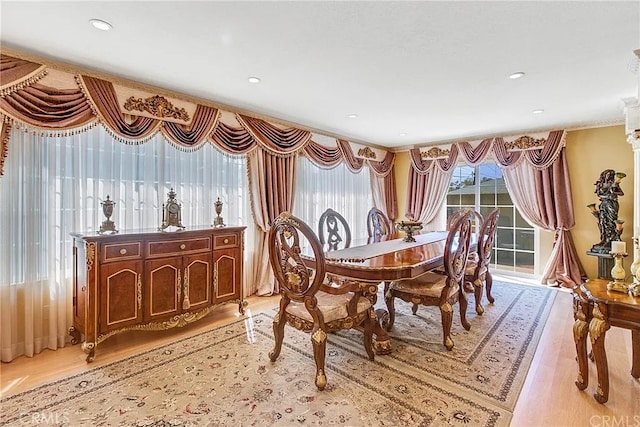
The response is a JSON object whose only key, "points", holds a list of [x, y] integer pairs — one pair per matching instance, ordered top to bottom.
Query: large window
{"points": [[54, 186], [482, 188], [339, 189]]}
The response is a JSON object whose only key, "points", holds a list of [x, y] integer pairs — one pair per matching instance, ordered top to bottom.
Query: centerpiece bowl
{"points": [[409, 227]]}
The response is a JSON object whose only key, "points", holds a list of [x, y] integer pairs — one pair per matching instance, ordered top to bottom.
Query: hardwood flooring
{"points": [[548, 397]]}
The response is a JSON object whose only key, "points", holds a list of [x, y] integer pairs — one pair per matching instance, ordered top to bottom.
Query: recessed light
{"points": [[100, 24], [517, 75], [254, 80], [539, 111], [352, 116], [402, 134]]}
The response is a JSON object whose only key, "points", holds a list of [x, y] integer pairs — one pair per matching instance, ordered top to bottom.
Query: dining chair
{"points": [[476, 219], [378, 224], [333, 230], [477, 272], [437, 289], [308, 301]]}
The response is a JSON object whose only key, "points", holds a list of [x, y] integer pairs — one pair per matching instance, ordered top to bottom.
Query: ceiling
{"points": [[415, 73]]}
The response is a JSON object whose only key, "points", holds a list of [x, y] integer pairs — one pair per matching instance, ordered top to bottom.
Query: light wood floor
{"points": [[548, 398]]}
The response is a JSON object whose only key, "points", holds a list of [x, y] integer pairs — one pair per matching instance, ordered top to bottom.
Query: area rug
{"points": [[490, 361], [224, 377]]}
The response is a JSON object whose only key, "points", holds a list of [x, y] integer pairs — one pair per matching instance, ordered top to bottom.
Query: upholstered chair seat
{"points": [[427, 284], [332, 307]]}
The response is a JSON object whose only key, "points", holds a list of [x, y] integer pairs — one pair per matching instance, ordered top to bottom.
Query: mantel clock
{"points": [[171, 212]]}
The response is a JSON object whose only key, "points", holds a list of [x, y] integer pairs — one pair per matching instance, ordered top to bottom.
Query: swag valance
{"points": [[60, 103], [539, 150]]}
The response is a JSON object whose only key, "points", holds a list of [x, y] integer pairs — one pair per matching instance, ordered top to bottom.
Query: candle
{"points": [[618, 247]]}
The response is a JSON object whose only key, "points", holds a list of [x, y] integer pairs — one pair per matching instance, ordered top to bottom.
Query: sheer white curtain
{"points": [[54, 186], [338, 188]]}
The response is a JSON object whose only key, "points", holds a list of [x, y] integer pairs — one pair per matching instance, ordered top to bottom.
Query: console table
{"points": [[152, 280], [595, 310]]}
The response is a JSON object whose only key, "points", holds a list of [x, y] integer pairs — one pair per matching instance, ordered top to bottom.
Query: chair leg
{"points": [[488, 283], [477, 291], [388, 299], [464, 304], [414, 308], [446, 312], [369, 324], [278, 332], [319, 343]]}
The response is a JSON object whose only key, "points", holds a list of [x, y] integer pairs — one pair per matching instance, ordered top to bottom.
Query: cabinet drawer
{"points": [[221, 241], [177, 247], [121, 251]]}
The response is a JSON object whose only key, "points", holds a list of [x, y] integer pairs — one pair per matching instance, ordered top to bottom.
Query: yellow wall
{"points": [[589, 152]]}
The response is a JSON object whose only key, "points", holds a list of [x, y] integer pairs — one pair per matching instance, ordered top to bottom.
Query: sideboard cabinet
{"points": [[152, 280]]}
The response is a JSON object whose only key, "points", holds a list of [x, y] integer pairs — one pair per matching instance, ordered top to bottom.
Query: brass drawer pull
{"points": [[225, 241], [183, 246], [123, 251]]}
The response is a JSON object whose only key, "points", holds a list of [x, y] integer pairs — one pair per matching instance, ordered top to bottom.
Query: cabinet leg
{"points": [[242, 305], [75, 335], [90, 349]]}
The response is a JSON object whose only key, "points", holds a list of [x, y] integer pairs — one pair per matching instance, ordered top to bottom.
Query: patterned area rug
{"points": [[224, 376]]}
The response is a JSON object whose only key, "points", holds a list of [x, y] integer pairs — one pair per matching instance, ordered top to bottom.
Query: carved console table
{"points": [[150, 280], [595, 310]]}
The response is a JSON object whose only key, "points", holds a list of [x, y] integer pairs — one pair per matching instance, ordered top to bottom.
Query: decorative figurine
{"points": [[607, 189], [171, 212], [218, 221], [107, 225]]}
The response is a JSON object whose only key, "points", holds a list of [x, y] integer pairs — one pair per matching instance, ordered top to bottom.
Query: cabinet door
{"points": [[226, 275], [196, 282], [162, 288], [120, 295]]}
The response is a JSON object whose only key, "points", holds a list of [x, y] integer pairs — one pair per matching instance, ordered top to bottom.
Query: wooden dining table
{"points": [[387, 259]]}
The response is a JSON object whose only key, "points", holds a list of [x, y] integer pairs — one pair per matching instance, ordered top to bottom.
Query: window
{"points": [[54, 186], [338, 188], [482, 188]]}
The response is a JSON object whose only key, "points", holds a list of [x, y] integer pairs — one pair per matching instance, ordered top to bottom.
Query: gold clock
{"points": [[171, 212]]}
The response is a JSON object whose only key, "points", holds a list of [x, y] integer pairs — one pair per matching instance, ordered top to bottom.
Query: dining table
{"points": [[385, 259]]}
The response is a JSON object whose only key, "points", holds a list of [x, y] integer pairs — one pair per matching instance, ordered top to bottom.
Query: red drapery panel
{"points": [[105, 104], [193, 136]]}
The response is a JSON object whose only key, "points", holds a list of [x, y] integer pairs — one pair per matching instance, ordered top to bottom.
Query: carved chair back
{"points": [[476, 219], [378, 224], [333, 230], [487, 236], [456, 249], [299, 278]]}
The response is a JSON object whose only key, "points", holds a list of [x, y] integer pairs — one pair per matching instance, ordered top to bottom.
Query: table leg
{"points": [[580, 330], [597, 331], [381, 341], [635, 345]]}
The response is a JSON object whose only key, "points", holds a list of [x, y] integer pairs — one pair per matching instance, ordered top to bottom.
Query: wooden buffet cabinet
{"points": [[152, 280]]}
